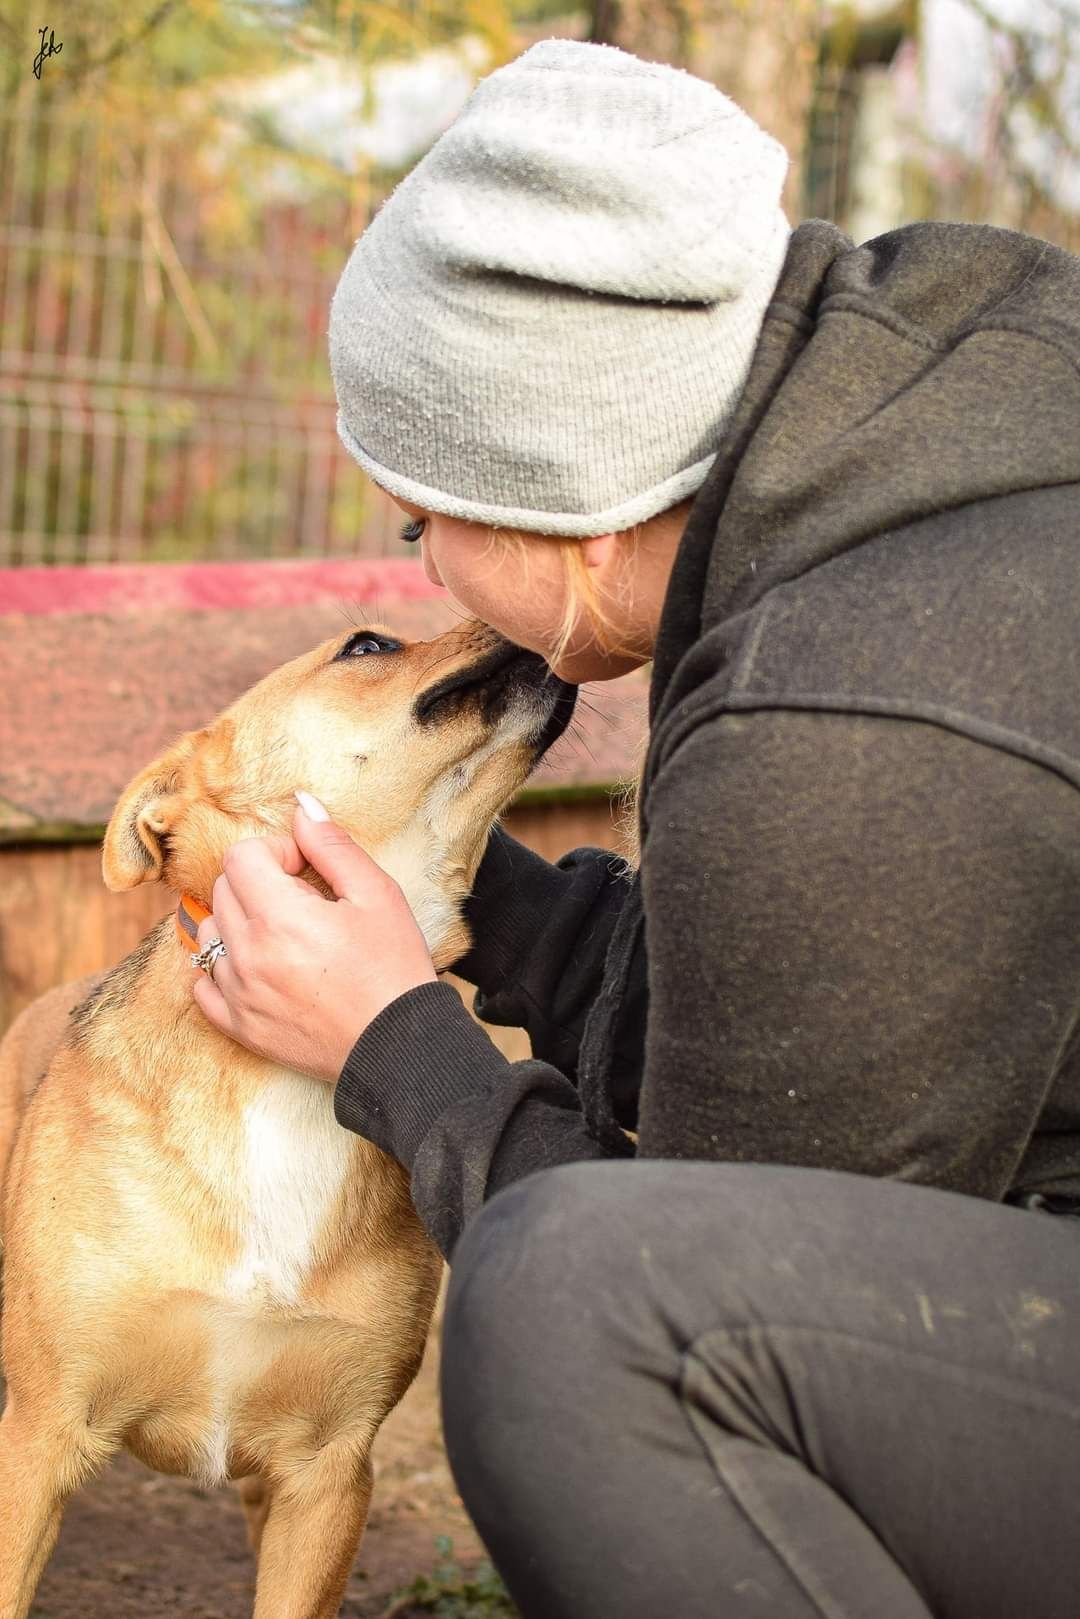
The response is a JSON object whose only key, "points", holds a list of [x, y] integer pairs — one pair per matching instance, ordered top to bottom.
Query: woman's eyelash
{"points": [[413, 529]]}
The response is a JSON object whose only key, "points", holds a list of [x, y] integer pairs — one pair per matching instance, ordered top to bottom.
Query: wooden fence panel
{"points": [[58, 921]]}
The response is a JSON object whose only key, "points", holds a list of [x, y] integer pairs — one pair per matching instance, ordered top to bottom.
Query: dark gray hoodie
{"points": [[855, 937]]}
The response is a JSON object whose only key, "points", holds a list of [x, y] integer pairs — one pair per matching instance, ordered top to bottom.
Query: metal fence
{"points": [[161, 400]]}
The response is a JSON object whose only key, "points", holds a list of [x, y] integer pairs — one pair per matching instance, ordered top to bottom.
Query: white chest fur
{"points": [[296, 1157]]}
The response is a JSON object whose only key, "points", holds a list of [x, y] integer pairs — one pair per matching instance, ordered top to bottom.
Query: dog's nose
{"points": [[483, 677]]}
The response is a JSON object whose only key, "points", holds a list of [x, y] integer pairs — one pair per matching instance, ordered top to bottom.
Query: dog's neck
{"points": [[434, 886]]}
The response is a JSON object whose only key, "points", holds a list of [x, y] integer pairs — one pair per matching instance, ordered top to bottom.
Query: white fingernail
{"points": [[311, 807]]}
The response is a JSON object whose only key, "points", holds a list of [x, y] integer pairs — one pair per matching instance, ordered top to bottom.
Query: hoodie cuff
{"points": [[513, 895], [419, 1056]]}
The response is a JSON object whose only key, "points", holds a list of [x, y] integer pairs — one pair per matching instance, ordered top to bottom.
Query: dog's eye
{"points": [[365, 641]]}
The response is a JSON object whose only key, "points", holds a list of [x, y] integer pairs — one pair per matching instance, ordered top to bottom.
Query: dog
{"points": [[200, 1265]]}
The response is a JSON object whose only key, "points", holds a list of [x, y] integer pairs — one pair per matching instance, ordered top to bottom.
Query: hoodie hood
{"points": [[934, 366], [924, 375]]}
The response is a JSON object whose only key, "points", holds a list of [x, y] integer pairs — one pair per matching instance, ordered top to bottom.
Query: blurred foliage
{"points": [[123, 55], [170, 65], [173, 70], [1037, 92], [1027, 125], [220, 236], [218, 239], [451, 1593]]}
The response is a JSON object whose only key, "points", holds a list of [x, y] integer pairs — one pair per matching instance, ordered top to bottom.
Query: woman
{"points": [[795, 1354]]}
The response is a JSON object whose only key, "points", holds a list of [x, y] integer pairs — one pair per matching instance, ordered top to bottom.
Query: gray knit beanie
{"points": [[548, 323]]}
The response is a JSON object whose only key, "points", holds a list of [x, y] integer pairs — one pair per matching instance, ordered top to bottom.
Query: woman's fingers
{"points": [[350, 870], [261, 871], [228, 913], [303, 981], [213, 1005]]}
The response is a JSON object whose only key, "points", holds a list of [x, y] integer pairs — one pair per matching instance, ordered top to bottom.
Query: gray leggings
{"points": [[687, 1391]]}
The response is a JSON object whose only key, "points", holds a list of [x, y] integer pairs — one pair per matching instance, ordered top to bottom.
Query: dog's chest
{"points": [[295, 1157]]}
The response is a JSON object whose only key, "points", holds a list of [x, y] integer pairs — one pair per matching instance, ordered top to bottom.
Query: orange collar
{"points": [[189, 913]]}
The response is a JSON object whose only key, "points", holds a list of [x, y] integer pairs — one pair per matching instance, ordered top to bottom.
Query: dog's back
{"points": [[26, 1051]]}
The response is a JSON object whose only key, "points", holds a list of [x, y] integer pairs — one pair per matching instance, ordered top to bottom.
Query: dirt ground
{"points": [[136, 1545]]}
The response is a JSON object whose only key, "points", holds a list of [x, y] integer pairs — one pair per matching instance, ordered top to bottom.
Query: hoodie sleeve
{"points": [[541, 935], [427, 1085]]}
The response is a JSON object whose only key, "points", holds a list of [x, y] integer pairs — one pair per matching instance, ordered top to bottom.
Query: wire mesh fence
{"points": [[165, 391], [160, 398]]}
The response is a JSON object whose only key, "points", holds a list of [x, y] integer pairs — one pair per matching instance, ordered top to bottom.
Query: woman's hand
{"points": [[303, 976]]}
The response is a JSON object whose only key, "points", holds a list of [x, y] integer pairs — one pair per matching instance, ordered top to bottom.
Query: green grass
{"points": [[449, 1593]]}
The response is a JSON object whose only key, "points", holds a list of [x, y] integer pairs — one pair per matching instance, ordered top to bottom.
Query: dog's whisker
{"points": [[365, 615], [435, 665], [598, 713], [582, 742]]}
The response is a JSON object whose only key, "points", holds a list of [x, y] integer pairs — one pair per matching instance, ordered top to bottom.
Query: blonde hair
{"points": [[583, 598]]}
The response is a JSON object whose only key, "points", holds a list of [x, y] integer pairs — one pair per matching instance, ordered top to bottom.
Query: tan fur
{"points": [[27, 1050], [200, 1265]]}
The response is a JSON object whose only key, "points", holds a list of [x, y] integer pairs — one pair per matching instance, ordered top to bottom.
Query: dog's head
{"points": [[413, 748]]}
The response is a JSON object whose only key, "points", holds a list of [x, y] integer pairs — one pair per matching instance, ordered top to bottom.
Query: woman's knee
{"points": [[552, 1256], [592, 1264], [509, 1272], [521, 1274], [501, 1363]]}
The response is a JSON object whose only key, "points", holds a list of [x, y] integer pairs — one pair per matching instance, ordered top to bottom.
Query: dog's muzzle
{"points": [[492, 681]]}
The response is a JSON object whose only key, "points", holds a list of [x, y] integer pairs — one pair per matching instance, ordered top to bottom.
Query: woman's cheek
{"points": [[429, 565]]}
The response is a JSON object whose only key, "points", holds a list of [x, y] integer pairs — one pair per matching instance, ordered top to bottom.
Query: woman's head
{"points": [[547, 326], [589, 605]]}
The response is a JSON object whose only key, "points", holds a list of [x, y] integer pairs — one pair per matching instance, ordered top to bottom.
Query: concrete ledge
{"points": [[185, 586]]}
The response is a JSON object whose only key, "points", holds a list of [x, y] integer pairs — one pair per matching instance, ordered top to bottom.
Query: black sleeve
{"points": [[540, 938], [866, 955], [429, 1087]]}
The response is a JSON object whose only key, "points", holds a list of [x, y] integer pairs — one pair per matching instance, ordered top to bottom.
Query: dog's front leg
{"points": [[40, 1465], [254, 1492], [312, 1529]]}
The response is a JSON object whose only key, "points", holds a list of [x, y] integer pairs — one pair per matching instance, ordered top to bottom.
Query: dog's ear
{"points": [[148, 809]]}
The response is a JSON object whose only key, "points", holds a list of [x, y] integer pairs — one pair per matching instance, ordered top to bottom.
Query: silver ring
{"points": [[208, 957]]}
